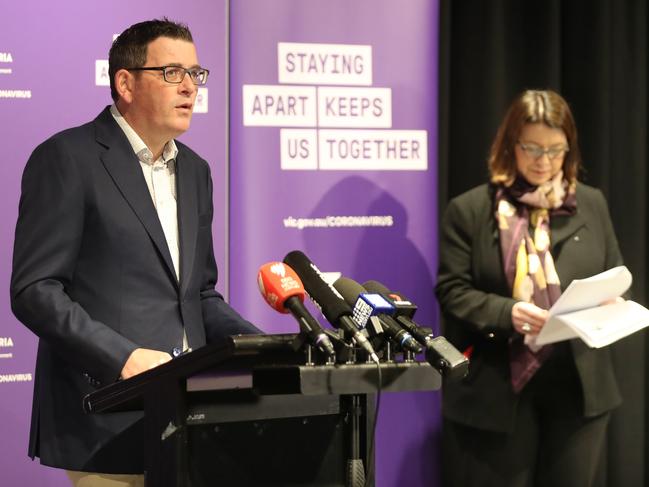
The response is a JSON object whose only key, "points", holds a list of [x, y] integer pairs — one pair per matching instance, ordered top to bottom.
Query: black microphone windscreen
{"points": [[376, 287], [349, 289], [331, 303]]}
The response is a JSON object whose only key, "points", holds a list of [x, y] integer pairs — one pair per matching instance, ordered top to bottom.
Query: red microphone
{"points": [[283, 291]]}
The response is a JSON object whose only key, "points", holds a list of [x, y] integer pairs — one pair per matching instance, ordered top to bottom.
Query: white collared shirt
{"points": [[160, 177]]}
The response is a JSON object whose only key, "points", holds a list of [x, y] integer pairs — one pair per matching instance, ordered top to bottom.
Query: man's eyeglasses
{"points": [[176, 74], [536, 151]]}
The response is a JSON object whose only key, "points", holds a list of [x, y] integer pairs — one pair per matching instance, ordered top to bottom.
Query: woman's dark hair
{"points": [[129, 49], [533, 106]]}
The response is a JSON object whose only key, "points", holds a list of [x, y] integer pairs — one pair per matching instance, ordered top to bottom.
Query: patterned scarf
{"points": [[528, 263]]}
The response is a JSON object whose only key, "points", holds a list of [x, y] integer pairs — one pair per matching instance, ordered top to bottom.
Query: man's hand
{"points": [[528, 318], [143, 359]]}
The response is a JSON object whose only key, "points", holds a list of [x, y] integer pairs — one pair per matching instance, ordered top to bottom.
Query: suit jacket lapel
{"points": [[124, 168], [187, 218]]}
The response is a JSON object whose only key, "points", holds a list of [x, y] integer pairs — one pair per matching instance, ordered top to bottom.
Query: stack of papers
{"points": [[579, 311]]}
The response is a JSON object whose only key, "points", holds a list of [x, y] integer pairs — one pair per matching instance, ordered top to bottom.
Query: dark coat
{"points": [[93, 278], [476, 303]]}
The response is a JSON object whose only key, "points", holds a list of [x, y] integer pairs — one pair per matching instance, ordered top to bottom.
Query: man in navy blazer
{"points": [[113, 263]]}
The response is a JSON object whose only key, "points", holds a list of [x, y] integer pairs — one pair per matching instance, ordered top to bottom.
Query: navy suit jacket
{"points": [[93, 278]]}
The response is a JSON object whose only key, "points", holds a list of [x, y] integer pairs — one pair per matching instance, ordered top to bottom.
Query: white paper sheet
{"points": [[579, 312]]}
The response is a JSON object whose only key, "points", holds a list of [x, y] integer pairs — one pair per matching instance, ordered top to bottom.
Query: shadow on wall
{"points": [[382, 253], [407, 452]]}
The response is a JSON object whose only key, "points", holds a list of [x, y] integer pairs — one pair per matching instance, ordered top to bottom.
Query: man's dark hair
{"points": [[130, 48]]}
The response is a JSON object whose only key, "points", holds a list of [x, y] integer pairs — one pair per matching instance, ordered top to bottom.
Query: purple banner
{"points": [[54, 75], [333, 151], [335, 154]]}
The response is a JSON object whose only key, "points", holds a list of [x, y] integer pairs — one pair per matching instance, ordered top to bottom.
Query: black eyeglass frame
{"points": [[188, 71]]}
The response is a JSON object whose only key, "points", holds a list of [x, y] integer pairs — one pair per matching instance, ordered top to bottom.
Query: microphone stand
{"points": [[355, 467]]}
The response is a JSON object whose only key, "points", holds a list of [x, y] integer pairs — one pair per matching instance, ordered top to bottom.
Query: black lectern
{"points": [[255, 411]]}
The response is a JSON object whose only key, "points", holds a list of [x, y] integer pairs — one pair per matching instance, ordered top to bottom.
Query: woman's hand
{"points": [[619, 299], [528, 318]]}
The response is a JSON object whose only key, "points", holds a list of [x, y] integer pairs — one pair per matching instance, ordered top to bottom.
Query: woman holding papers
{"points": [[525, 415]]}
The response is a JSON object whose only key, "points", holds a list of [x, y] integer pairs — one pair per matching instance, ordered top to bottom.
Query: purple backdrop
{"points": [[53, 47], [48, 82], [267, 202]]}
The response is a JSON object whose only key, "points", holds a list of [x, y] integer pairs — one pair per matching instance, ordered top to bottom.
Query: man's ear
{"points": [[124, 84]]}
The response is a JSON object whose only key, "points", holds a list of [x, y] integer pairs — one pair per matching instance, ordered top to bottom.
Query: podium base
{"points": [[288, 452]]}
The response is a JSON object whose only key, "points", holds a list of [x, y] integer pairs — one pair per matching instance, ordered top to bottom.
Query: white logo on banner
{"points": [[6, 57], [324, 64], [102, 78], [15, 93], [11, 94], [272, 106], [340, 115], [299, 149], [340, 221], [6, 342], [15, 378]]}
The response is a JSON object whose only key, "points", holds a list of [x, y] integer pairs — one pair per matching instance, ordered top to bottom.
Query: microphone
{"points": [[282, 289], [330, 302], [367, 305], [404, 310], [440, 353]]}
